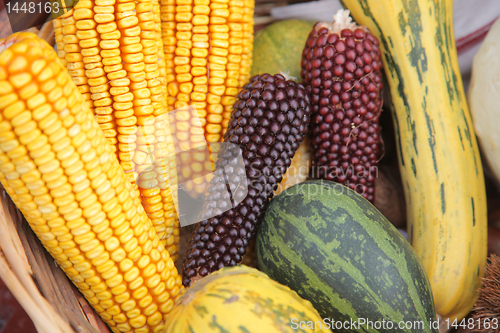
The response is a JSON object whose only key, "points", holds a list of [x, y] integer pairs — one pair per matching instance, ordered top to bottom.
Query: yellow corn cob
{"points": [[208, 45], [114, 54], [61, 173]]}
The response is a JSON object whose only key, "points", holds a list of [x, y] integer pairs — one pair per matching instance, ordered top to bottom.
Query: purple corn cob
{"points": [[341, 70], [269, 121]]}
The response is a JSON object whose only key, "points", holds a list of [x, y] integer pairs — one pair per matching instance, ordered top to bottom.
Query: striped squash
{"points": [[438, 153], [335, 249], [242, 299]]}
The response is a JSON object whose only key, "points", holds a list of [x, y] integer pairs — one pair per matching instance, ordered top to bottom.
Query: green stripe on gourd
{"points": [[335, 249]]}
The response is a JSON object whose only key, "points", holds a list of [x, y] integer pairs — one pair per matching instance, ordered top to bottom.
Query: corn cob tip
{"points": [[341, 20], [287, 76]]}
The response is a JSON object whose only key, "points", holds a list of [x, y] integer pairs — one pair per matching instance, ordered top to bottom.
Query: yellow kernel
{"points": [[144, 7], [201, 10], [220, 12], [145, 17], [104, 18], [201, 20], [127, 22], [86, 24], [184, 26], [107, 28], [200, 29], [133, 31], [130, 40], [235, 41], [134, 48], [217, 51], [199, 52], [132, 58], [217, 60], [18, 64], [216, 67], [182, 69], [218, 74], [184, 77], [20, 80], [216, 81], [186, 88], [217, 90], [8, 99], [213, 99], [112, 244], [131, 246], [118, 255], [114, 281], [153, 281], [138, 282], [141, 293], [103, 295], [107, 304], [167, 306], [134, 312], [120, 319], [155, 319], [138, 322]]}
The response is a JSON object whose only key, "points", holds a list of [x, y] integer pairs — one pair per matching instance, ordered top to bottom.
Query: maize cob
{"points": [[208, 48], [114, 54], [341, 69], [269, 121], [299, 169], [62, 174]]}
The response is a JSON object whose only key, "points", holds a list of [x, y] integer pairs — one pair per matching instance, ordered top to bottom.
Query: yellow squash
{"points": [[438, 153], [243, 299]]}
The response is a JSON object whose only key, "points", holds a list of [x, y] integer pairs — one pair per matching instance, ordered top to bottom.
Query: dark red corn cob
{"points": [[341, 70], [269, 121]]}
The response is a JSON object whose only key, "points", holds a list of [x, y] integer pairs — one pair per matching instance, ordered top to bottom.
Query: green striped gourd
{"points": [[335, 249]]}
